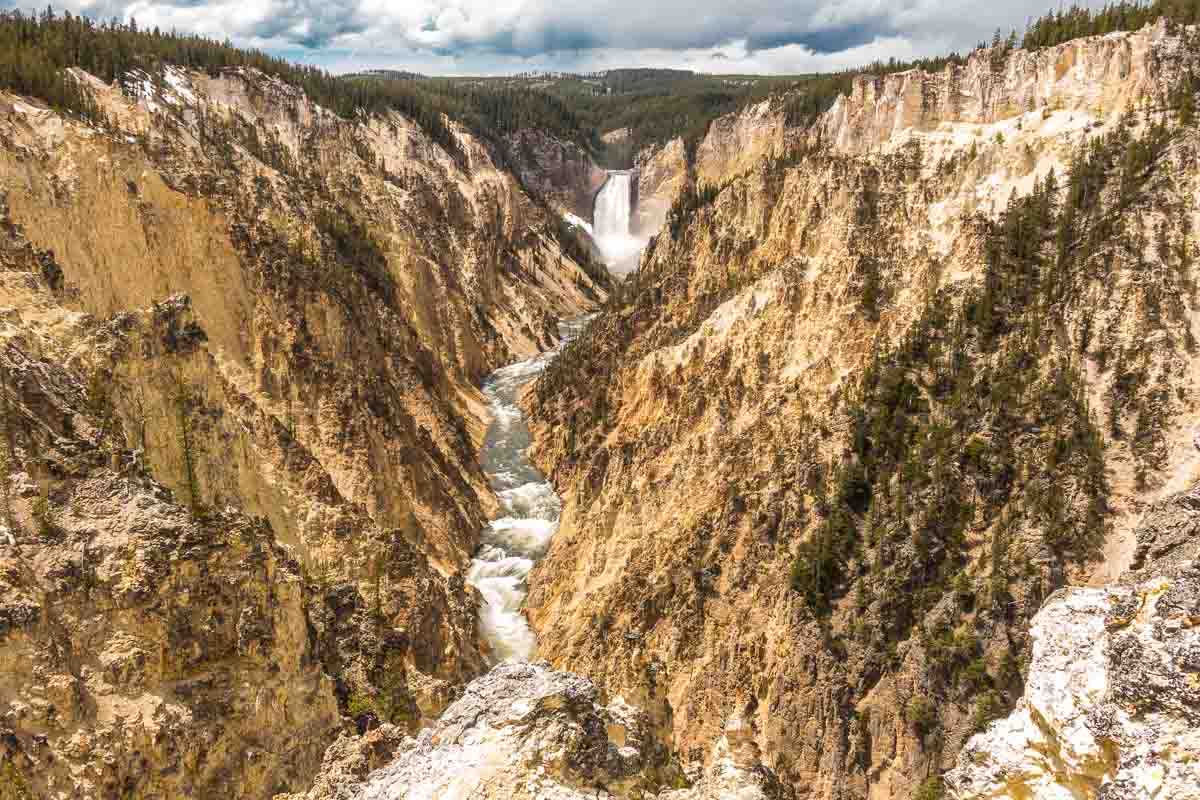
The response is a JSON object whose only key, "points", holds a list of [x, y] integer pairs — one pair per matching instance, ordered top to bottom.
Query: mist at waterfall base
{"points": [[610, 224], [512, 543]]}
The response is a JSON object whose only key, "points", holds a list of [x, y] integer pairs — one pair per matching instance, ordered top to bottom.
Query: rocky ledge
{"points": [[1112, 700], [526, 731]]}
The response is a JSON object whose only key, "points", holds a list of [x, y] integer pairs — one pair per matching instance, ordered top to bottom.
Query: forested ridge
{"points": [[36, 50], [653, 105]]}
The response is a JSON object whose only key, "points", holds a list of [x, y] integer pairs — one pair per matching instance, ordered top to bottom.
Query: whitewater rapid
{"points": [[514, 541]]}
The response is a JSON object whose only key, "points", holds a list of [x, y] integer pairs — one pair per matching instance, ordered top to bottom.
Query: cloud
{"points": [[511, 35], [831, 40]]}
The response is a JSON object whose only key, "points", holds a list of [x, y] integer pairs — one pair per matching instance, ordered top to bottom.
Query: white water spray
{"points": [[610, 221], [512, 543]]}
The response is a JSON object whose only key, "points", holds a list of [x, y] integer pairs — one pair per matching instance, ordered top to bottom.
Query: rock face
{"points": [[1097, 74], [1093, 77], [739, 142], [733, 144], [562, 172], [662, 172], [241, 338], [716, 433], [142, 650], [1111, 706], [526, 732]]}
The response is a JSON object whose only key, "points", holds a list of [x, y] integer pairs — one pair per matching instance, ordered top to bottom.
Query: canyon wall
{"points": [[1095, 76], [733, 144], [562, 172], [241, 343], [864, 409], [837, 461]]}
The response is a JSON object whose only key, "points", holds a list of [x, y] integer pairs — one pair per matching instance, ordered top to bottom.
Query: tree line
{"points": [[1078, 21], [36, 51], [654, 105]]}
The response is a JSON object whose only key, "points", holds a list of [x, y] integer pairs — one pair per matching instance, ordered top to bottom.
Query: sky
{"points": [[492, 37]]}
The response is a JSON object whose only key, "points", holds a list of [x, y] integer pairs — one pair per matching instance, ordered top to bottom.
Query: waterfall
{"points": [[613, 207], [610, 222]]}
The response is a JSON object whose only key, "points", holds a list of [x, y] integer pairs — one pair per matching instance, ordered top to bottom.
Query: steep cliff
{"points": [[1094, 76], [733, 144], [563, 172], [242, 342], [870, 402], [142, 649], [1110, 703]]}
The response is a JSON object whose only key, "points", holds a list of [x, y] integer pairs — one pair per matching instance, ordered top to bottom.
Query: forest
{"points": [[1064, 25], [36, 50], [654, 105]]}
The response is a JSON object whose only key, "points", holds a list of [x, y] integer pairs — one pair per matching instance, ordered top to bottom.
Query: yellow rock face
{"points": [[689, 430]]}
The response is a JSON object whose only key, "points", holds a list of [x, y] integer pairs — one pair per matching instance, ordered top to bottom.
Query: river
{"points": [[513, 542]]}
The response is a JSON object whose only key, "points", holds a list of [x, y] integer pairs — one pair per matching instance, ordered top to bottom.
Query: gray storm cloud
{"points": [[512, 30]]}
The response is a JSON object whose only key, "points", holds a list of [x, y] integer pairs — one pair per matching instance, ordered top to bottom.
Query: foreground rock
{"points": [[1112, 702], [526, 731]]}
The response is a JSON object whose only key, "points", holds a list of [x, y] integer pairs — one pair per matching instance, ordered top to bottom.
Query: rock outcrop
{"points": [[1095, 75], [733, 144], [662, 171], [562, 172], [142, 649], [1111, 707], [526, 732]]}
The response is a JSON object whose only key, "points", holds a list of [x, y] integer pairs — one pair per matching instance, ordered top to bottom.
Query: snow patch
{"points": [[180, 85]]}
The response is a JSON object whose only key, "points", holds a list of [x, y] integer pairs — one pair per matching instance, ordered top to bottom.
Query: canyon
{"points": [[347, 457]]}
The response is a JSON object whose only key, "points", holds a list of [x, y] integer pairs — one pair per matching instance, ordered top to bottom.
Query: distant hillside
{"points": [[396, 74], [654, 104]]}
